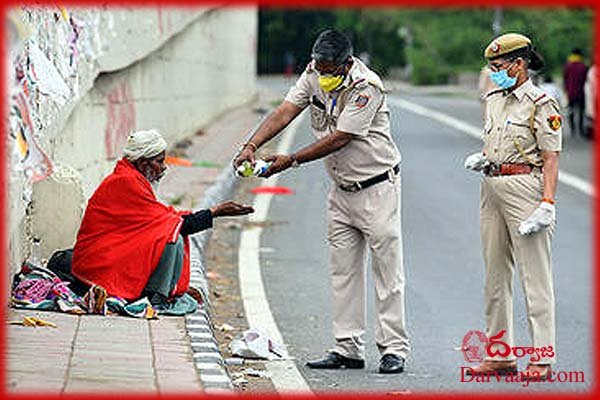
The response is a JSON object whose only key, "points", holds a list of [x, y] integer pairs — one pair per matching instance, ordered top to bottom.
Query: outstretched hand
{"points": [[230, 209]]}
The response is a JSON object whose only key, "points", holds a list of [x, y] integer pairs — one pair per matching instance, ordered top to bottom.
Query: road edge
{"points": [[205, 350], [284, 374]]}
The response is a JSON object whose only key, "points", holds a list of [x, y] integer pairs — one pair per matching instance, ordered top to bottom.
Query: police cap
{"points": [[514, 45]]}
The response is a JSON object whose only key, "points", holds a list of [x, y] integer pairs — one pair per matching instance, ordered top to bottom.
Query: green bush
{"points": [[441, 39], [427, 69]]}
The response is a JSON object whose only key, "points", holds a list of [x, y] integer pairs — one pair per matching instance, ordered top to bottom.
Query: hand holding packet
{"points": [[246, 169]]}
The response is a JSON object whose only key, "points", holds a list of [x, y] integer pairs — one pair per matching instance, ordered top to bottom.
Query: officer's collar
{"points": [[352, 74], [523, 89]]}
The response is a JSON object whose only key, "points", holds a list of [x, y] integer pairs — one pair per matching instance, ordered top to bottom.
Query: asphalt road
{"points": [[443, 263]]}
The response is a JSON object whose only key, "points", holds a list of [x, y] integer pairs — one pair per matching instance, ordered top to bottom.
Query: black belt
{"points": [[356, 186]]}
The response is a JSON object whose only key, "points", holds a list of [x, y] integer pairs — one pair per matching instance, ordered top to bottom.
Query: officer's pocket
{"points": [[318, 118], [521, 132], [520, 137]]}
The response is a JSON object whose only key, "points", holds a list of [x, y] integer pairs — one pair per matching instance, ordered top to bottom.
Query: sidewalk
{"points": [[120, 354]]}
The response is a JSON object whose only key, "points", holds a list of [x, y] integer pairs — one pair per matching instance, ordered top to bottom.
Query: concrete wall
{"points": [[170, 69]]}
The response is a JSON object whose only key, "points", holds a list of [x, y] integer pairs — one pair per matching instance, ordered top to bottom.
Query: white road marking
{"points": [[564, 177], [284, 373], [221, 378]]}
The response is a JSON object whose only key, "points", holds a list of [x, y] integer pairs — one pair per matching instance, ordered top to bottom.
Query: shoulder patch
{"points": [[361, 100], [554, 121]]}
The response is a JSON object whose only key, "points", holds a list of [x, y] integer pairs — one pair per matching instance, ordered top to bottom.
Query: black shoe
{"points": [[336, 361], [391, 364]]}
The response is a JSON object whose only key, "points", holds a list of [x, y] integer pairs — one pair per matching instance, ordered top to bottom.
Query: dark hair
{"points": [[332, 46], [577, 51], [535, 61], [548, 78]]}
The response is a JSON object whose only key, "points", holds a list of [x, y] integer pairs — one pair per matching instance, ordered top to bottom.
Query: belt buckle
{"points": [[495, 169], [391, 175], [353, 187]]}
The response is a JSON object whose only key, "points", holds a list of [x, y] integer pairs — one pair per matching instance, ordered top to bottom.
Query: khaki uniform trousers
{"points": [[505, 202], [369, 218]]}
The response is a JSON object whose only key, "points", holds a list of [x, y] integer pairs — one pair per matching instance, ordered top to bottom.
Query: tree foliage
{"points": [[436, 43]]}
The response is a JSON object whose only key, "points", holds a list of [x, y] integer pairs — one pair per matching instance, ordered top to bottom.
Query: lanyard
{"points": [[333, 103]]}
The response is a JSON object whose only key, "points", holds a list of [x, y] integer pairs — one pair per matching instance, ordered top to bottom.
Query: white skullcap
{"points": [[144, 144]]}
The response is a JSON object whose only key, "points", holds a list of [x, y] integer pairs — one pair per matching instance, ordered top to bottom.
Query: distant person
{"points": [[290, 64], [574, 76], [551, 88], [590, 91]]}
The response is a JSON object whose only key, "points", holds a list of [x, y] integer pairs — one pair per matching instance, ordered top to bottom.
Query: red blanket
{"points": [[123, 234]]}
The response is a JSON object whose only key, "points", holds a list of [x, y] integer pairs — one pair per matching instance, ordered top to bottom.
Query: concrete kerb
{"points": [[207, 357]]}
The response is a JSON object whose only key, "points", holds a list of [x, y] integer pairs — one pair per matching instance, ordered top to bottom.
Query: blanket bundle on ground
{"points": [[123, 233], [38, 288]]}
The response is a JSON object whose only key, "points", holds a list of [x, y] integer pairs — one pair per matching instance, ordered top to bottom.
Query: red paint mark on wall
{"points": [[160, 21], [169, 23], [253, 45], [120, 119]]}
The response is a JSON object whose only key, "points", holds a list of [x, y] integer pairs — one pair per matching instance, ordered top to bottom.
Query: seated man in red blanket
{"points": [[130, 243]]}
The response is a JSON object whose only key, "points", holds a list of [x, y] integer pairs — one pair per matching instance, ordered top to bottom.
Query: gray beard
{"points": [[155, 181], [154, 185]]}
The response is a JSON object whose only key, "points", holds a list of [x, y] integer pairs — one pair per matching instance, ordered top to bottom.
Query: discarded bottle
{"points": [[245, 169], [36, 252]]}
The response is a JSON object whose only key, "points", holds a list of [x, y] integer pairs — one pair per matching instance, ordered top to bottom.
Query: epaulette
{"points": [[309, 69], [359, 83], [363, 83], [493, 92], [538, 96]]}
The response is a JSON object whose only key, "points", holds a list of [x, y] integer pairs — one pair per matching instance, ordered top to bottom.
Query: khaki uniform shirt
{"points": [[359, 108], [507, 126]]}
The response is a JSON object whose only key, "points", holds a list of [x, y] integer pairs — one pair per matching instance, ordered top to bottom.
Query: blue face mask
{"points": [[502, 80]]}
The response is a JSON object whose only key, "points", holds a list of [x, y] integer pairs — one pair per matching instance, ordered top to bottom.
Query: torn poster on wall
{"points": [[48, 80], [33, 161]]}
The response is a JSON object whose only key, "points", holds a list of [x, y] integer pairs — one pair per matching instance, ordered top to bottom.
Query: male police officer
{"points": [[350, 119], [521, 143]]}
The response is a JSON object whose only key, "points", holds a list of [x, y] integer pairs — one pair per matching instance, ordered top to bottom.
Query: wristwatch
{"points": [[295, 163]]}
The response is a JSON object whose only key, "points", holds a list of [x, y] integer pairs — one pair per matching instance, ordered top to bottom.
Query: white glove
{"points": [[476, 162], [542, 217]]}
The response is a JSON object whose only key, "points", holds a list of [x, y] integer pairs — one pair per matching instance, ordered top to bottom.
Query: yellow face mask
{"points": [[329, 82]]}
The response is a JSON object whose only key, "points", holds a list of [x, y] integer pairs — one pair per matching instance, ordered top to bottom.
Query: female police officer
{"points": [[521, 143]]}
